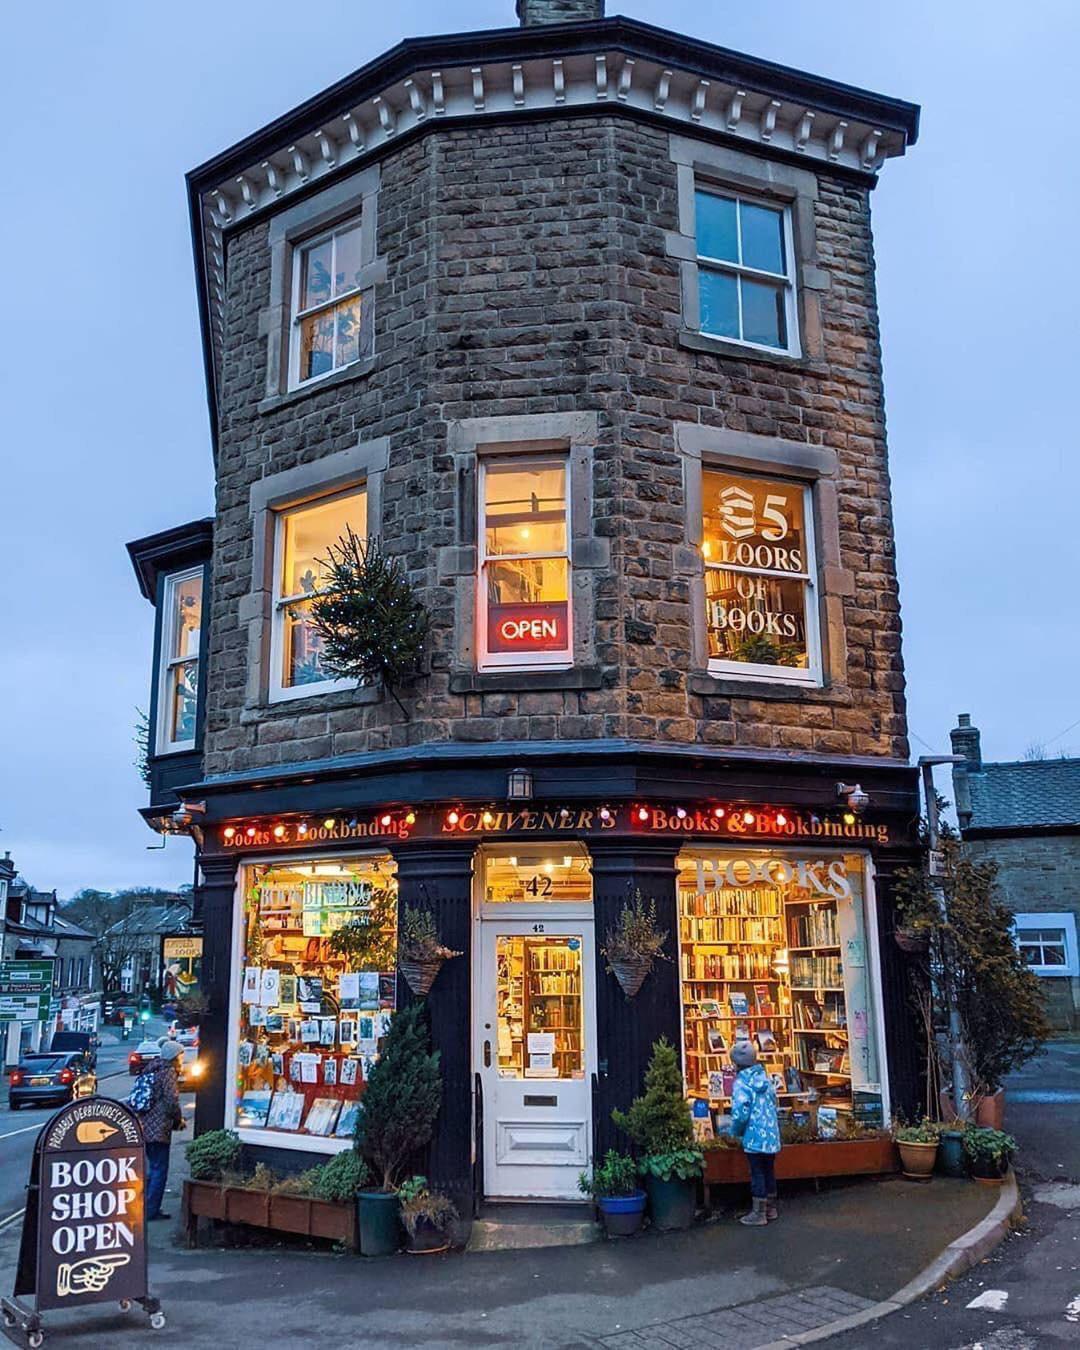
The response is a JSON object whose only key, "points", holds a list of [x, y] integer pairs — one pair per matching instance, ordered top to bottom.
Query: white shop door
{"points": [[536, 1053]]}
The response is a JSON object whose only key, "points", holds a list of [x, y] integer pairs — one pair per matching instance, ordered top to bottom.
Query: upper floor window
{"points": [[745, 272], [329, 323], [304, 534], [761, 612], [523, 614], [178, 686]]}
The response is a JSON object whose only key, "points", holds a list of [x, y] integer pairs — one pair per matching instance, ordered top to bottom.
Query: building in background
{"points": [[578, 318], [1024, 815], [34, 933], [135, 945]]}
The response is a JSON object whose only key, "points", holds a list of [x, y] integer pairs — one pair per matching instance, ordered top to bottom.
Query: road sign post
{"points": [[84, 1230]]}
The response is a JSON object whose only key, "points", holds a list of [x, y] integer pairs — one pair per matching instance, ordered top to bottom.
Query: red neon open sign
{"points": [[528, 628]]}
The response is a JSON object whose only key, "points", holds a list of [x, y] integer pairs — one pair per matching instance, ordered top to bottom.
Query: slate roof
{"points": [[1025, 794], [147, 919]]}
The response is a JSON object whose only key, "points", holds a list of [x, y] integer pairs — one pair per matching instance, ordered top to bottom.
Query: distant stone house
{"points": [[1025, 816], [32, 928], [141, 933]]}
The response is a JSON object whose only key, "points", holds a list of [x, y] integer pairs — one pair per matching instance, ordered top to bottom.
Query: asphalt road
{"points": [[19, 1129], [1027, 1294]]}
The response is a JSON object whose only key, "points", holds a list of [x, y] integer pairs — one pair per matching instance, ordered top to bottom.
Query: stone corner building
{"points": [[579, 319], [1024, 816]]}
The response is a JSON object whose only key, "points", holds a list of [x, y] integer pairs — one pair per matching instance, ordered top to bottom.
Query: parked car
{"points": [[117, 1009], [187, 1036], [85, 1042], [141, 1056], [48, 1079]]}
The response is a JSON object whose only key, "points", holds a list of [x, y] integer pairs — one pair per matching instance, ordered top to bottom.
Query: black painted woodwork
{"points": [[215, 898]]}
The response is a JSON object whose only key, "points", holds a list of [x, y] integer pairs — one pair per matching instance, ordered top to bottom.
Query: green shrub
{"points": [[402, 1098], [659, 1120], [925, 1132], [989, 1148], [212, 1153], [616, 1175], [340, 1178]]}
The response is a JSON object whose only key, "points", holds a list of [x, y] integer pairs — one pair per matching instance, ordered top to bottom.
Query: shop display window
{"points": [[537, 874], [773, 948], [539, 994], [310, 1021]]}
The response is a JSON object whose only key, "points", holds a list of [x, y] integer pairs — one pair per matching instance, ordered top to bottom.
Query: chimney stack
{"points": [[537, 13], [967, 742]]}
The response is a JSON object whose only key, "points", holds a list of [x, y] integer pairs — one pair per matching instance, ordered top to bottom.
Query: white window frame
{"points": [[706, 263], [298, 315], [555, 660], [167, 663], [747, 670], [280, 692], [1066, 921]]}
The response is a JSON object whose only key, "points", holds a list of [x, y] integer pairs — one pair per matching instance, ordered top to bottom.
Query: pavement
{"points": [[833, 1254], [1026, 1294]]}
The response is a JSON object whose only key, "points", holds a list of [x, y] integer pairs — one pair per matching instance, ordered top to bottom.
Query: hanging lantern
{"points": [[519, 785]]}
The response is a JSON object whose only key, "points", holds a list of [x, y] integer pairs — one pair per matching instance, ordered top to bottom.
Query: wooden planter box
{"points": [[831, 1158], [279, 1213]]}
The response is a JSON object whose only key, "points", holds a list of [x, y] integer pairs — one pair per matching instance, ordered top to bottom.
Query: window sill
{"points": [[702, 342], [357, 371], [508, 681], [730, 686], [295, 707]]}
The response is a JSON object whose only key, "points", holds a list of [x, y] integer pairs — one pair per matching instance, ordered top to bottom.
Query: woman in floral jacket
{"points": [[158, 1121]]}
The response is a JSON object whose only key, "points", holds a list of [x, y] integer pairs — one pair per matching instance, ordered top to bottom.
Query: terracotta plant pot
{"points": [[631, 974], [420, 975], [991, 1110], [917, 1160]]}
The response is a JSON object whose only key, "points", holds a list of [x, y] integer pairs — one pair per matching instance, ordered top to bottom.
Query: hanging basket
{"points": [[912, 942], [631, 974], [420, 975]]}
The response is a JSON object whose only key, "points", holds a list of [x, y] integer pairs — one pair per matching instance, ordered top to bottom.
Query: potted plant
{"points": [[634, 944], [420, 953], [398, 1113], [659, 1123], [918, 1145], [990, 1152], [951, 1158], [614, 1187], [427, 1215]]}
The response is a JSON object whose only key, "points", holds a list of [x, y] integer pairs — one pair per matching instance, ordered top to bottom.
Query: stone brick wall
{"points": [[527, 275], [1038, 874]]}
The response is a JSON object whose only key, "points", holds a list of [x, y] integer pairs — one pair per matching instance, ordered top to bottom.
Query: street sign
{"points": [[936, 861], [25, 990], [84, 1230]]}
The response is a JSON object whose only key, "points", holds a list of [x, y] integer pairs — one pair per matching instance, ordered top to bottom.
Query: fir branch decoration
{"points": [[370, 623], [142, 745]]}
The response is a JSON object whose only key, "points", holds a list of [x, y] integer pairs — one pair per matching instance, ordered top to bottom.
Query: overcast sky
{"points": [[104, 107]]}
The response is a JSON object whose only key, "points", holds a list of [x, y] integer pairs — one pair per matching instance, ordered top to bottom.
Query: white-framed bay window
{"points": [[746, 270], [330, 325], [302, 537], [761, 606], [523, 609], [178, 674], [1047, 942]]}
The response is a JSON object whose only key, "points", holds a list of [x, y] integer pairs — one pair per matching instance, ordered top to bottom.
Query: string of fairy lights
{"points": [[460, 818]]}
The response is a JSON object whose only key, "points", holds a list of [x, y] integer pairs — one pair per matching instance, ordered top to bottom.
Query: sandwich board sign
{"points": [[84, 1230]]}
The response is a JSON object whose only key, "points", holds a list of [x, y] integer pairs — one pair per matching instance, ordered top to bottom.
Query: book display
{"points": [[760, 959], [539, 994], [309, 1022]]}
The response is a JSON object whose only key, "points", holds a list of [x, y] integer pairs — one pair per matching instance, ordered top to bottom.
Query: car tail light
{"points": [[133, 1059], [67, 1076], [16, 1077]]}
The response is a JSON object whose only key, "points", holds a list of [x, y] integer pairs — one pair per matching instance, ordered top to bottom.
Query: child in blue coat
{"points": [[755, 1121]]}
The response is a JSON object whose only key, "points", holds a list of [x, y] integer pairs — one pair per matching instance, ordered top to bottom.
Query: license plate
{"points": [[39, 1082]]}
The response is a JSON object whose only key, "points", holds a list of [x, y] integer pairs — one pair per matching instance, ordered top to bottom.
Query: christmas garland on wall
{"points": [[368, 618]]}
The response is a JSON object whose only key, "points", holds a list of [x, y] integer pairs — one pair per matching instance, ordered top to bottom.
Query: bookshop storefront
{"points": [[775, 922]]}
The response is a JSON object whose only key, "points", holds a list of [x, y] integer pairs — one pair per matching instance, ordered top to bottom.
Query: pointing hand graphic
{"points": [[89, 1276]]}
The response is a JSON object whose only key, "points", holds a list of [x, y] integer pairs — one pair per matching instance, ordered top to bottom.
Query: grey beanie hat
{"points": [[170, 1051], [743, 1054]]}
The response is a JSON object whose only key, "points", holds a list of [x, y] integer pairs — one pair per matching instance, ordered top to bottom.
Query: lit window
{"points": [[745, 282], [329, 328], [304, 535], [759, 577], [524, 599], [178, 686], [538, 874], [1047, 942]]}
